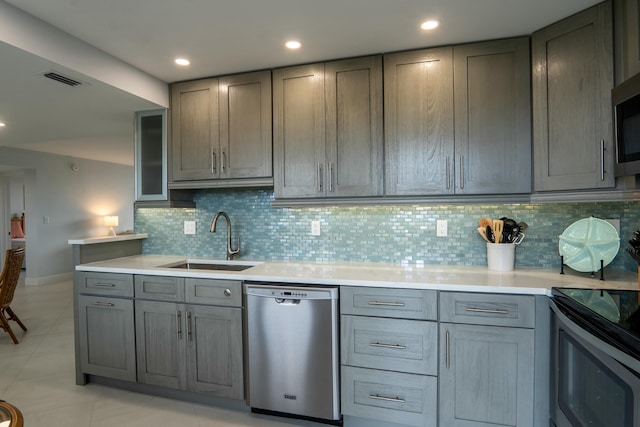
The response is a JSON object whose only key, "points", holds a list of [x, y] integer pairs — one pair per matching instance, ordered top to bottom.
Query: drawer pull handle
{"points": [[104, 285], [227, 292], [104, 304], [389, 304], [487, 310], [395, 346], [386, 399]]}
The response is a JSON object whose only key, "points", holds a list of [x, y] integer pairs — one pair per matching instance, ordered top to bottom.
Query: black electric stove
{"points": [[613, 315]]}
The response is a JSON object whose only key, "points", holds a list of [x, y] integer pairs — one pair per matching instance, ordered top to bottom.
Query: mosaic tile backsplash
{"points": [[393, 234]]}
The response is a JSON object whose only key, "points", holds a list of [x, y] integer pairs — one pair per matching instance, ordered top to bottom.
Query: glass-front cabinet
{"points": [[151, 155]]}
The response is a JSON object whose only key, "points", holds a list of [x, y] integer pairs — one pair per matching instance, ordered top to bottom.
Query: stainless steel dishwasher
{"points": [[293, 350]]}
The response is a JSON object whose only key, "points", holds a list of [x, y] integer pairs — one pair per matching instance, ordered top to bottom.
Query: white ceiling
{"points": [[219, 37]]}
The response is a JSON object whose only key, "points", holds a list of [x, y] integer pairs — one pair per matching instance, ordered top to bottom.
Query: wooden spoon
{"points": [[484, 222], [498, 226], [483, 233]]}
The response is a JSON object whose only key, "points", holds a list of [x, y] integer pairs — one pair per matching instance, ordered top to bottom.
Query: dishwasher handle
{"points": [[284, 301]]}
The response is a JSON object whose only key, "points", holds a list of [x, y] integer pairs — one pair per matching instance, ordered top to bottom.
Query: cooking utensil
{"points": [[484, 222], [498, 226], [523, 226], [483, 233], [490, 235], [518, 239]]}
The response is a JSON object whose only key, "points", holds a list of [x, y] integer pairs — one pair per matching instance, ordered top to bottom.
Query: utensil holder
{"points": [[501, 256]]}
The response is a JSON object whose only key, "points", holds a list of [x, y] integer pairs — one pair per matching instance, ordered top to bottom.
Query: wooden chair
{"points": [[8, 284], [10, 413]]}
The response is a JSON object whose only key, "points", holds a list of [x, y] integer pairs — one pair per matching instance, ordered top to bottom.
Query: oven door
{"points": [[593, 384]]}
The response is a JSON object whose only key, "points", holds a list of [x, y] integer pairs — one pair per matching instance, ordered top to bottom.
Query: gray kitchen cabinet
{"points": [[627, 26], [572, 63], [492, 87], [484, 88], [418, 119], [328, 129], [221, 132], [195, 135], [151, 155], [105, 333], [185, 346], [389, 352], [486, 374]]}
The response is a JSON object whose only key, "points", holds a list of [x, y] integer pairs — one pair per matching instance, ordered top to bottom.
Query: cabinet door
{"points": [[627, 24], [353, 98], [418, 103], [492, 117], [572, 120], [245, 125], [194, 130], [298, 131], [151, 155], [106, 336], [160, 338], [214, 351], [486, 376]]}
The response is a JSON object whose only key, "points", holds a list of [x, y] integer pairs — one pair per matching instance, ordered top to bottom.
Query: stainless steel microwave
{"points": [[625, 99]]}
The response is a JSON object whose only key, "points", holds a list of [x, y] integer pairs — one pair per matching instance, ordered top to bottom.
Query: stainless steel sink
{"points": [[202, 265]]}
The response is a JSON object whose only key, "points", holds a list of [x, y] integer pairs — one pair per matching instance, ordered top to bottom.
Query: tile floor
{"points": [[38, 377]]}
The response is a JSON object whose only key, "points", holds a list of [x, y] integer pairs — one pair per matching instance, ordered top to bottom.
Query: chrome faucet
{"points": [[230, 251]]}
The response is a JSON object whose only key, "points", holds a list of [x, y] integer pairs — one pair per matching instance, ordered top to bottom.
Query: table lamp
{"points": [[111, 221]]}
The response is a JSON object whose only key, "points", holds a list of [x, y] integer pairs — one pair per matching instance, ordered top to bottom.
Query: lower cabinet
{"points": [[106, 337], [190, 347], [486, 376]]}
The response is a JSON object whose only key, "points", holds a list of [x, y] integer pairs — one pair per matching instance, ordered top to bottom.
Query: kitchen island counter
{"points": [[434, 277]]}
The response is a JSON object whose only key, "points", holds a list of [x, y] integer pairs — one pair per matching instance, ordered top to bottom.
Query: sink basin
{"points": [[213, 266]]}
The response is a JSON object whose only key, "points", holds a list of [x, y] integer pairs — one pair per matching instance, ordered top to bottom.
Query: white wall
{"points": [[74, 203]]}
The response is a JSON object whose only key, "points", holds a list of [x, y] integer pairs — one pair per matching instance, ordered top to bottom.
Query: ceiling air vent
{"points": [[62, 79]]}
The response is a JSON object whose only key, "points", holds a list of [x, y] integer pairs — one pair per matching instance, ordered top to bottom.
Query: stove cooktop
{"points": [[611, 314]]}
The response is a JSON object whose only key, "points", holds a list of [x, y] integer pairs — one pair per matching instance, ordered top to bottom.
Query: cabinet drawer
{"points": [[112, 284], [160, 288], [213, 292], [385, 302], [488, 309], [390, 344], [389, 396]]}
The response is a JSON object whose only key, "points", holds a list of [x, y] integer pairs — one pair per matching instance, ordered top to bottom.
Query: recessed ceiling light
{"points": [[430, 25], [293, 44], [182, 61], [2, 125]]}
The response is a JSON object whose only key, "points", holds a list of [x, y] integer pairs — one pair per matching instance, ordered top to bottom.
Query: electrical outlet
{"points": [[189, 227], [315, 228], [441, 228]]}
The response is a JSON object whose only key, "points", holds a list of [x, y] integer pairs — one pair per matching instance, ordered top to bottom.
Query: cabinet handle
{"points": [[602, 159], [214, 160], [224, 161], [448, 172], [462, 172], [319, 176], [330, 177], [104, 285], [227, 292], [104, 304], [389, 304], [487, 310], [179, 324], [189, 325], [394, 346], [447, 349], [386, 399]]}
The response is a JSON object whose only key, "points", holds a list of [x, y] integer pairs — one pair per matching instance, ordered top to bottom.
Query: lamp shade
{"points": [[111, 221]]}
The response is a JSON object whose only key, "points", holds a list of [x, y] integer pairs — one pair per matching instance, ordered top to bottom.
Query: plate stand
{"points": [[593, 274]]}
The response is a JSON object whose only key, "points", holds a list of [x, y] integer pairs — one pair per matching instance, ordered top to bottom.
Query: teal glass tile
{"points": [[385, 233]]}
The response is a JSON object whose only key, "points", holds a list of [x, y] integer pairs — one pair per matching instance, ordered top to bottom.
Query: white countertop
{"points": [[107, 239], [444, 278]]}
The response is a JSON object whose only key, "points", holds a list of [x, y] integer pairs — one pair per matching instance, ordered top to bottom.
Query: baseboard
{"points": [[48, 280]]}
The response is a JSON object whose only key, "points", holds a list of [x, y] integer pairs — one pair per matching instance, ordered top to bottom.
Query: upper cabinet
{"points": [[627, 24], [572, 82], [418, 101], [457, 120], [328, 129], [221, 132]]}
